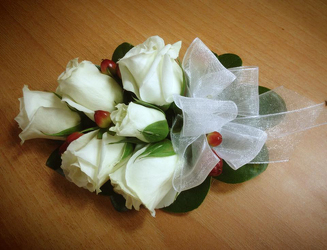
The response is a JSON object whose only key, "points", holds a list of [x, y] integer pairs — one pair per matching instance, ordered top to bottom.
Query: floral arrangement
{"points": [[146, 129]]}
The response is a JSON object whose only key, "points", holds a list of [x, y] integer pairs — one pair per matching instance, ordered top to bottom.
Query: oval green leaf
{"points": [[121, 50], [229, 60], [273, 104], [156, 131], [133, 140], [160, 149], [127, 151], [54, 161], [245, 173], [107, 189], [190, 199], [117, 200]]}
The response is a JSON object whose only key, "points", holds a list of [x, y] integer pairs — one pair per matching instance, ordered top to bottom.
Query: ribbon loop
{"points": [[205, 71], [227, 101], [202, 116]]}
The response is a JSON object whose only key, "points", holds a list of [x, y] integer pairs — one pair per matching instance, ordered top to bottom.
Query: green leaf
{"points": [[120, 51], [229, 60], [263, 89], [146, 104], [275, 104], [165, 107], [89, 129], [156, 131], [66, 132], [133, 140], [160, 149], [127, 151], [54, 161], [244, 173], [107, 189], [190, 199], [118, 202]]}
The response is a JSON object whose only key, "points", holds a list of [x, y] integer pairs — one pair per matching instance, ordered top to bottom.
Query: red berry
{"points": [[108, 67], [118, 71], [102, 118], [74, 136], [69, 139], [214, 139], [63, 148], [218, 169]]}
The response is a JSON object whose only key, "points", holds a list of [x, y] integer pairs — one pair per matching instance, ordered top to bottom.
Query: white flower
{"points": [[150, 71], [85, 88], [42, 114], [134, 120], [88, 161], [147, 179]]}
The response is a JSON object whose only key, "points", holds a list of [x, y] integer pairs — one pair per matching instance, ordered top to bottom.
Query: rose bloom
{"points": [[150, 71], [85, 88], [42, 114], [88, 161], [146, 180]]}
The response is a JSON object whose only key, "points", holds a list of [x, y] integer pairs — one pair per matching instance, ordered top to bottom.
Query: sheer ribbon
{"points": [[227, 101]]}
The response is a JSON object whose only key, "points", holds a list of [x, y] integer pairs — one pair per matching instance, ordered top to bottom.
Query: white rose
{"points": [[150, 71], [85, 88], [42, 114], [134, 120], [88, 161], [147, 178]]}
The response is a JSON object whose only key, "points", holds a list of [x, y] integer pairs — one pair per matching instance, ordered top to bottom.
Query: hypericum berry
{"points": [[108, 67], [118, 71], [102, 118], [73, 136], [69, 139], [214, 139], [218, 169]]}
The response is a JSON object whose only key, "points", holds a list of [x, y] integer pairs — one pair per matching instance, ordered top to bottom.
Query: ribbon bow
{"points": [[227, 101]]}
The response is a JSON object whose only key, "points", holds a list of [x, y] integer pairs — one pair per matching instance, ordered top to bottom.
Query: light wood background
{"points": [[284, 208]]}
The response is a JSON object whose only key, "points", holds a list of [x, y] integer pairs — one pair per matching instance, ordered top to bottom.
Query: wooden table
{"points": [[284, 208]]}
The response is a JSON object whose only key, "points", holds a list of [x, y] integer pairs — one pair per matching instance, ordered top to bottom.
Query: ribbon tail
{"points": [[284, 126], [196, 158]]}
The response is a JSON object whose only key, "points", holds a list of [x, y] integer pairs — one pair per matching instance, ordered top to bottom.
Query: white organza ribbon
{"points": [[227, 101]]}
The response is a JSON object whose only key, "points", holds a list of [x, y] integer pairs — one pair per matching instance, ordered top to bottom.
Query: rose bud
{"points": [[108, 66], [102, 118], [144, 123], [69, 139], [214, 139], [218, 169]]}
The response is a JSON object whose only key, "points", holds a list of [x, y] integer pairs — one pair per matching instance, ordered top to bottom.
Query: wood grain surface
{"points": [[284, 208]]}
